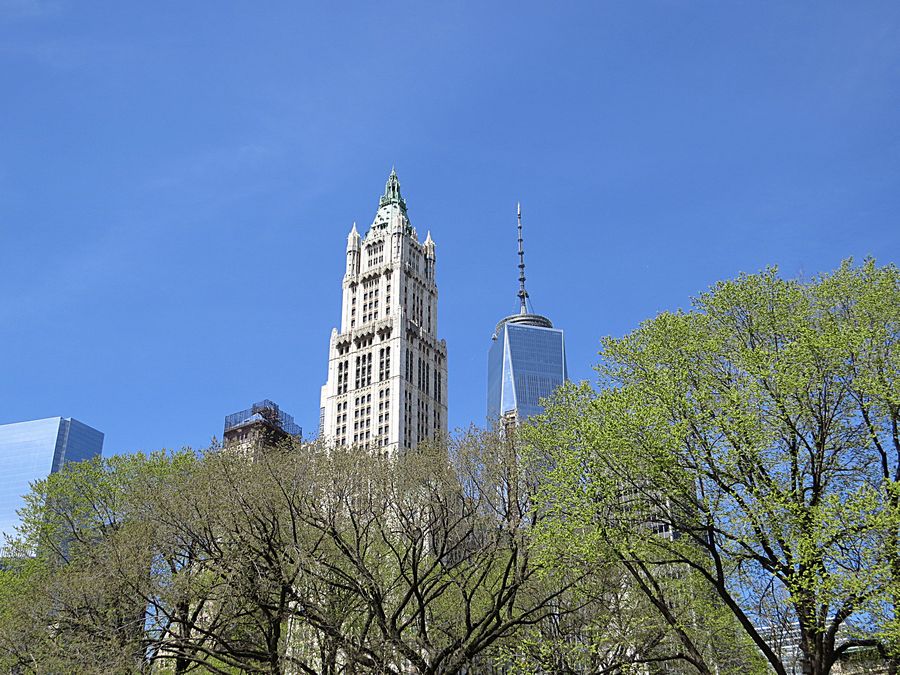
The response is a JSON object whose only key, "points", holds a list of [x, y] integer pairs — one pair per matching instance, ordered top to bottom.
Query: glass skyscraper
{"points": [[527, 359], [526, 362], [30, 451]]}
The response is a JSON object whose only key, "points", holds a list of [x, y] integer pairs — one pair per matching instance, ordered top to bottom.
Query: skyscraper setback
{"points": [[527, 358], [387, 369]]}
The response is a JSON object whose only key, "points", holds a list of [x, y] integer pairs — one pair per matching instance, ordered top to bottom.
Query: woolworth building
{"points": [[387, 369]]}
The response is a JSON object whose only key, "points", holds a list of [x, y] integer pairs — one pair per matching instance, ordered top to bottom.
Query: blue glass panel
{"points": [[525, 364], [538, 364], [495, 372], [509, 396], [81, 442], [30, 451], [26, 454]]}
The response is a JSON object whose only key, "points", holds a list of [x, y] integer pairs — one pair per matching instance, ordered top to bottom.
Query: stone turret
{"points": [[429, 248], [353, 250]]}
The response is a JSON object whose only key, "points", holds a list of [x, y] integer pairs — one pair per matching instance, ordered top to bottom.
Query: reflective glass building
{"points": [[527, 359], [526, 362], [31, 451]]}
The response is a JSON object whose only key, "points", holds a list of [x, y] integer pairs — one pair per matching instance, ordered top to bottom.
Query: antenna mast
{"points": [[523, 294]]}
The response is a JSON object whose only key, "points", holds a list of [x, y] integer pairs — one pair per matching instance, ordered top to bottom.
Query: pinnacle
{"points": [[392, 180], [392, 191], [523, 294]]}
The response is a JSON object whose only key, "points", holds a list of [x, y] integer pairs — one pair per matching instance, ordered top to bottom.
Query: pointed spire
{"points": [[392, 192], [353, 238], [428, 240], [523, 294], [524, 317]]}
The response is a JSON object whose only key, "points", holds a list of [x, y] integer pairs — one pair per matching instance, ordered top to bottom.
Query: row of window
{"points": [[375, 254], [370, 302], [417, 305], [384, 363], [363, 371], [423, 374], [342, 377], [362, 417], [427, 421], [340, 430]]}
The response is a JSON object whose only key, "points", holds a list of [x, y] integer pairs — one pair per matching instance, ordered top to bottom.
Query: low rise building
{"points": [[262, 425]]}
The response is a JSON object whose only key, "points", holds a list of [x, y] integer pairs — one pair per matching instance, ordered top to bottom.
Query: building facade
{"points": [[526, 361], [387, 369], [263, 425], [31, 451]]}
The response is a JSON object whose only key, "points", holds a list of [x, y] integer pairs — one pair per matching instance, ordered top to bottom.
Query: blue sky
{"points": [[177, 180]]}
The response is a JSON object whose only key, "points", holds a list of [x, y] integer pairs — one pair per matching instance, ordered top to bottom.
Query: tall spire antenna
{"points": [[523, 294]]}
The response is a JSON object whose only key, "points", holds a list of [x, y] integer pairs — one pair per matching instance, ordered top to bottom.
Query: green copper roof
{"points": [[392, 192]]}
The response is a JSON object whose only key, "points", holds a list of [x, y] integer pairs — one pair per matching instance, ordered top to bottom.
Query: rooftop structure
{"points": [[264, 411], [262, 425]]}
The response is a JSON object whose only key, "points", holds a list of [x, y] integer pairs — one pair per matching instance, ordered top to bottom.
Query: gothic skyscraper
{"points": [[527, 359], [387, 369]]}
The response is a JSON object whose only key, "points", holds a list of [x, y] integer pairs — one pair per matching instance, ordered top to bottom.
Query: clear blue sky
{"points": [[177, 180]]}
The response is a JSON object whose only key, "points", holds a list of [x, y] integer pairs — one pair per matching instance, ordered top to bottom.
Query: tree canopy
{"points": [[749, 445], [725, 500]]}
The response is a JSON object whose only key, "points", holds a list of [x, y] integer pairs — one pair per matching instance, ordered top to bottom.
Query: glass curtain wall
{"points": [[525, 364], [30, 451]]}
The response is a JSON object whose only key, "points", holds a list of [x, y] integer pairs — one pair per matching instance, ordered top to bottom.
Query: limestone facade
{"points": [[387, 370]]}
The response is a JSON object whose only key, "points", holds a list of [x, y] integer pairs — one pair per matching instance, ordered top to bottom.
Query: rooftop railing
{"points": [[266, 411]]}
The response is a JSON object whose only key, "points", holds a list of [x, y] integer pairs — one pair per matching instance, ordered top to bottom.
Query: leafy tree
{"points": [[748, 447], [430, 551], [303, 559], [82, 573]]}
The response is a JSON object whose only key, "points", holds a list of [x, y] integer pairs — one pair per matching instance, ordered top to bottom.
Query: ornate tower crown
{"points": [[392, 192]]}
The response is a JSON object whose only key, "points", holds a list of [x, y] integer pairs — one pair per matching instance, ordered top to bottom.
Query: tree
{"points": [[750, 444], [429, 551], [303, 559], [85, 575]]}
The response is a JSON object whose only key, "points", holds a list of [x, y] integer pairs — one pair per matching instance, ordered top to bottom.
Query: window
{"points": [[384, 363]]}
